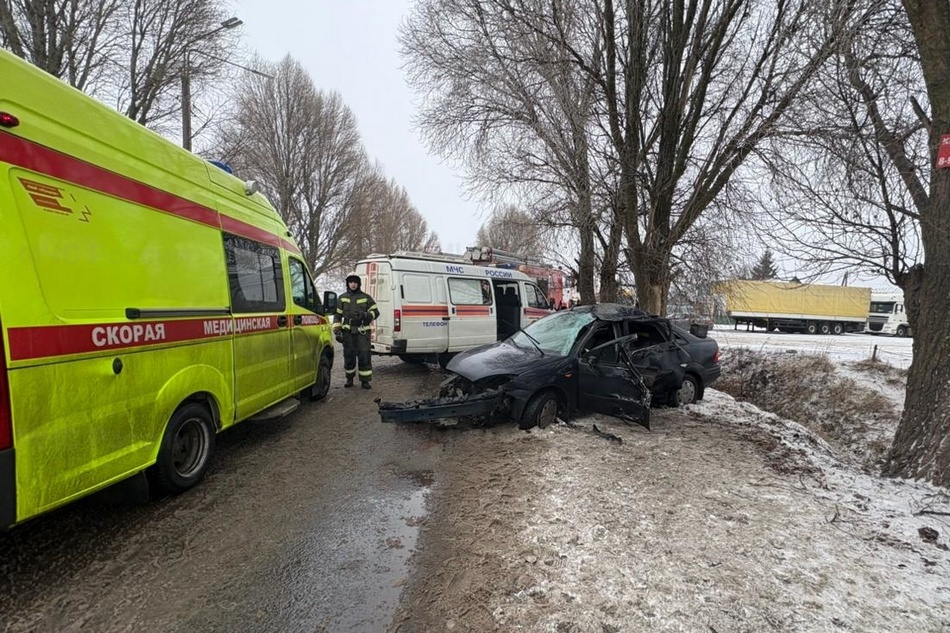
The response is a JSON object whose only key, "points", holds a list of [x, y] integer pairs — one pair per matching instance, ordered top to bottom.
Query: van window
{"points": [[254, 275], [301, 288], [416, 288], [470, 292], [536, 298]]}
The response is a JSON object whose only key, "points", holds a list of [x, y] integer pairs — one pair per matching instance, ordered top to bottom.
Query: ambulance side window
{"points": [[255, 276], [301, 288], [416, 288], [470, 291], [536, 298]]}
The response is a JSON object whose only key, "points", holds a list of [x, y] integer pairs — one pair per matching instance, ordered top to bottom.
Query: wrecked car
{"points": [[605, 358]]}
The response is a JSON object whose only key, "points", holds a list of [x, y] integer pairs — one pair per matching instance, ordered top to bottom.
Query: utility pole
{"points": [[230, 23]]}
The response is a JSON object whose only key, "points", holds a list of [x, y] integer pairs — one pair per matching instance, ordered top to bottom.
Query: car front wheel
{"points": [[688, 393], [540, 411]]}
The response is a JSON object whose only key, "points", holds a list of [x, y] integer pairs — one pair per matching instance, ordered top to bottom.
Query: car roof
{"points": [[614, 312]]}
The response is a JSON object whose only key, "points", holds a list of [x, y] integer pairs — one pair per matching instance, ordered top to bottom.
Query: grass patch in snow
{"points": [[857, 421]]}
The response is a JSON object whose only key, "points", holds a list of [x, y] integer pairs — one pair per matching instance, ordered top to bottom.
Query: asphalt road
{"points": [[302, 524]]}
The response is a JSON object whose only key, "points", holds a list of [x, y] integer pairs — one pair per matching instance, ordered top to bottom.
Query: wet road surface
{"points": [[302, 524]]}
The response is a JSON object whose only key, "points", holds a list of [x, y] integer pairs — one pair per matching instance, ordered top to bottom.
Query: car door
{"points": [[471, 313], [305, 325], [261, 328], [655, 355], [607, 382]]}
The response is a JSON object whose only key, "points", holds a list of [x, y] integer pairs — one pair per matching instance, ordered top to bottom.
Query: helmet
{"points": [[354, 277]]}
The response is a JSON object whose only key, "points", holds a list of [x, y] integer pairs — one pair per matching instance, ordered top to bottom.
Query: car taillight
{"points": [[397, 320], [716, 357], [6, 418]]}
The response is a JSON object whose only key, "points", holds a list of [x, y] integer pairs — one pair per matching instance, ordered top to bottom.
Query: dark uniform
{"points": [[355, 311]]}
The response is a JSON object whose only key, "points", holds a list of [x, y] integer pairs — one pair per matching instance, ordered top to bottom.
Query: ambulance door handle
{"points": [[446, 318], [298, 319], [282, 320]]}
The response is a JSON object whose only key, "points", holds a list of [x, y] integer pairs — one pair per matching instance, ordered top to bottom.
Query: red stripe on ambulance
{"points": [[28, 343]]}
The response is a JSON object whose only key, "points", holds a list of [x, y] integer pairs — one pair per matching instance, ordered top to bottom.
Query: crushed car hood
{"points": [[497, 359]]}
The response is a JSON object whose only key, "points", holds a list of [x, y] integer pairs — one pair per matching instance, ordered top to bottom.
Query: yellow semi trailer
{"points": [[795, 307]]}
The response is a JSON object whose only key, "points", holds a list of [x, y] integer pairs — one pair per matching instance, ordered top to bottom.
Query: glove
{"points": [[367, 318], [339, 336]]}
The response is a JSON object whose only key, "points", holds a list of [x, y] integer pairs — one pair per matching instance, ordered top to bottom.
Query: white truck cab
{"points": [[432, 306]]}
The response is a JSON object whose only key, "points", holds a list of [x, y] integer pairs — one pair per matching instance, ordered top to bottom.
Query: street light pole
{"points": [[230, 23]]}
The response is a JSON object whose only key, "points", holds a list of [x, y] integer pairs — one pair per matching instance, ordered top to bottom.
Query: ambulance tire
{"points": [[413, 359], [321, 387], [540, 411], [186, 448]]}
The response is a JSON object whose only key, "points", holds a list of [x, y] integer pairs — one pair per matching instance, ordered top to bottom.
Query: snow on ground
{"points": [[846, 347], [726, 518]]}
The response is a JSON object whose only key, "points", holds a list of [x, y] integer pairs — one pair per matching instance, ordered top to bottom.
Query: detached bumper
{"points": [[437, 408]]}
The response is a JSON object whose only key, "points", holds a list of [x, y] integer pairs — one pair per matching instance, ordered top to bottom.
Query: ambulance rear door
{"points": [[535, 304]]}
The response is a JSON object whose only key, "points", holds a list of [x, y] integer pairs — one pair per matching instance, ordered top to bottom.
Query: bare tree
{"points": [[70, 39], [164, 40], [502, 97], [304, 147], [388, 221], [513, 230], [920, 448]]}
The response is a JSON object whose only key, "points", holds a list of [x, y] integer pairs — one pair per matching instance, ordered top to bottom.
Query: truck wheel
{"points": [[811, 327], [824, 328], [837, 328], [901, 331], [321, 388], [688, 393], [540, 411], [186, 448]]}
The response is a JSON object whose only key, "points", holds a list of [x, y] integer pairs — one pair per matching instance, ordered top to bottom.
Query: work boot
{"points": [[349, 381], [366, 385]]}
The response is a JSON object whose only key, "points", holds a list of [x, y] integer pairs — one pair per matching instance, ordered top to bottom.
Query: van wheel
{"points": [[837, 328], [321, 388], [540, 411], [186, 448]]}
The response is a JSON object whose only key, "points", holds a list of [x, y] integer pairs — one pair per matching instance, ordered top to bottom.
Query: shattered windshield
{"points": [[554, 334]]}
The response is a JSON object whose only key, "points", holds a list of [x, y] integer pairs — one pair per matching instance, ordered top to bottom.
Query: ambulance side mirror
{"points": [[251, 187], [329, 302]]}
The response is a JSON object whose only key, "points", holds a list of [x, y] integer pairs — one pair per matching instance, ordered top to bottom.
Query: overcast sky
{"points": [[349, 46]]}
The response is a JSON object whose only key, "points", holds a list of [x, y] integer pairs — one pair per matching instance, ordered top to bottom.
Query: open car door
{"points": [[661, 364], [609, 383]]}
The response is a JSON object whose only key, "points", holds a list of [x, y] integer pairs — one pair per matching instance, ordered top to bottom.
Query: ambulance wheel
{"points": [[413, 359], [321, 388], [540, 411], [186, 448]]}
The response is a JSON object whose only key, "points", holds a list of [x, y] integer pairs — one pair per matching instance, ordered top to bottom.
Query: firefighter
{"points": [[355, 311]]}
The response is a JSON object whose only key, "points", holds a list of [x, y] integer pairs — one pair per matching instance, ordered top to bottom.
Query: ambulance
{"points": [[148, 300], [432, 306]]}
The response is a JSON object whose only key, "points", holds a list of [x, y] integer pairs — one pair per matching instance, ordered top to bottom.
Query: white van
{"points": [[432, 306]]}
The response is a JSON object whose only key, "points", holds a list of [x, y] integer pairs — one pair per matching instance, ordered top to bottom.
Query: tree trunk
{"points": [[609, 284], [921, 448]]}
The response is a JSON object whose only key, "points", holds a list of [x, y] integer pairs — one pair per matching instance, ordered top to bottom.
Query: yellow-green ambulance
{"points": [[148, 300]]}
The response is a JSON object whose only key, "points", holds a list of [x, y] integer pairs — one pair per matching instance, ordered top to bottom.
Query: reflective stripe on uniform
{"points": [[363, 300], [350, 372], [366, 373]]}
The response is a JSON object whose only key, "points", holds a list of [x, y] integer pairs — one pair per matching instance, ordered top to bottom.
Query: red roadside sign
{"points": [[943, 152]]}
